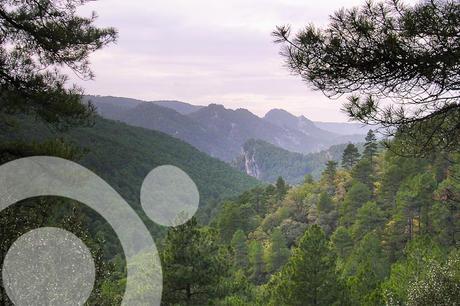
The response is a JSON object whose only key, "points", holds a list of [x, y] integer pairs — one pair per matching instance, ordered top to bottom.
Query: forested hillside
{"points": [[123, 155], [268, 162], [385, 232]]}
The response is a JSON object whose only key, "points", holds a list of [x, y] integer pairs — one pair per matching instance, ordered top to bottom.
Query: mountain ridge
{"points": [[219, 131]]}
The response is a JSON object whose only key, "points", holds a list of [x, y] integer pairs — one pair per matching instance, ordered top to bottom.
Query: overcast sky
{"points": [[208, 51]]}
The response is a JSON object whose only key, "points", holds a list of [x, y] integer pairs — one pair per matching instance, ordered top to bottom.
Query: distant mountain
{"points": [[105, 102], [112, 107], [180, 107], [154, 117], [283, 118], [237, 126], [344, 128], [218, 131], [324, 137], [123, 155], [267, 162]]}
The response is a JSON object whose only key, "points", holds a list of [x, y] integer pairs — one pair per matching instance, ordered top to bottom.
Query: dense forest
{"points": [[385, 231]]}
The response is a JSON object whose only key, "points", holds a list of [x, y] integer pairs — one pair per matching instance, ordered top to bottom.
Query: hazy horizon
{"points": [[205, 52]]}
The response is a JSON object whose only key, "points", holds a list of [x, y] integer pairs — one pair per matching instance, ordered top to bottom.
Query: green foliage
{"points": [[37, 38], [373, 53], [370, 146], [123, 155], [350, 156], [273, 161], [363, 172], [329, 175], [281, 188], [357, 196], [413, 202], [39, 212], [62, 213], [327, 213], [445, 215], [235, 217], [368, 218], [342, 242], [240, 250], [277, 253], [418, 255], [256, 260], [193, 265], [365, 269], [304, 281]]}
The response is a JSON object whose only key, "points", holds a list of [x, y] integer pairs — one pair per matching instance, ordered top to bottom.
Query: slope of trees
{"points": [[267, 162], [343, 240]]}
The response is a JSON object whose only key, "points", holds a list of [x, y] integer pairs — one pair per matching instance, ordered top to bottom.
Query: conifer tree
{"points": [[38, 38], [370, 146], [350, 156], [329, 175], [281, 188], [356, 197], [369, 217], [342, 242], [240, 250], [277, 253], [256, 260], [193, 265], [365, 269], [309, 277]]}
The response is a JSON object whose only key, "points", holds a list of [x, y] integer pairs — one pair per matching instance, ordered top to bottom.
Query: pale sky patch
{"points": [[205, 51]]}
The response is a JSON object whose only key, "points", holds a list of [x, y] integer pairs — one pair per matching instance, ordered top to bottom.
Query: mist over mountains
{"points": [[222, 132]]}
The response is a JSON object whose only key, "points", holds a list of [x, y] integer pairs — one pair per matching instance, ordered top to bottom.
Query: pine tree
{"points": [[37, 39], [373, 54], [370, 146], [350, 156], [364, 173], [329, 175], [308, 179], [281, 188], [356, 197], [413, 202], [325, 203], [446, 211], [327, 214], [368, 218], [342, 242], [240, 249], [277, 253], [256, 260], [193, 264], [365, 269], [309, 277]]}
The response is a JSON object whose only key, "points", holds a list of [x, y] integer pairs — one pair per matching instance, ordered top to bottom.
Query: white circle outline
{"points": [[36, 176]]}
